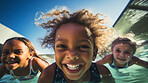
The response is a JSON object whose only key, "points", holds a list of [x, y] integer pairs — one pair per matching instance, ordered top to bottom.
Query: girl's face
{"points": [[73, 50], [122, 53], [15, 54]]}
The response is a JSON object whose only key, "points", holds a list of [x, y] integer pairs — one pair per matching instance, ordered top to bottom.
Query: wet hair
{"points": [[93, 23], [124, 40], [27, 43]]}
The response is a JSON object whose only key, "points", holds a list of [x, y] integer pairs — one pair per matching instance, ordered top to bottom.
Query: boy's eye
{"points": [[18, 51], [127, 52]]}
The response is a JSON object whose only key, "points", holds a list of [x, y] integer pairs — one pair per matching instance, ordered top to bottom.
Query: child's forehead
{"points": [[71, 28], [73, 31], [14, 43], [123, 44]]}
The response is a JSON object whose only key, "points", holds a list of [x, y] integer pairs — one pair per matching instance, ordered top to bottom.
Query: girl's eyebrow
{"points": [[58, 40], [83, 40], [86, 40], [8, 49], [5, 50]]}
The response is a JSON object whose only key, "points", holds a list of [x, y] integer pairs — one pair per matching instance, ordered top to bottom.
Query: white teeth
{"points": [[72, 67]]}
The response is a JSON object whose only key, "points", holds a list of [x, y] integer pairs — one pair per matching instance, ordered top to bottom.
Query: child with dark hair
{"points": [[76, 39], [20, 59]]}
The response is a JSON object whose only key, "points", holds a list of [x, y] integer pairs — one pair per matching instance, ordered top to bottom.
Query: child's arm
{"points": [[106, 59], [139, 62], [39, 64], [3, 70], [105, 73], [47, 75]]}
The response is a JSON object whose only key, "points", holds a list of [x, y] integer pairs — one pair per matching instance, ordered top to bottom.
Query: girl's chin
{"points": [[10, 66], [73, 74], [73, 78]]}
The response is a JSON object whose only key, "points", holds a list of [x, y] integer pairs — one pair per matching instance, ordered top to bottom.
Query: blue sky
{"points": [[19, 15]]}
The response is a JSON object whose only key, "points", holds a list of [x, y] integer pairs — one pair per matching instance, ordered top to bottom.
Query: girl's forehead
{"points": [[73, 31], [14, 43]]}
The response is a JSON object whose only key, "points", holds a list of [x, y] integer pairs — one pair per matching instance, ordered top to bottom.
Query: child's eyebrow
{"points": [[61, 40], [87, 41], [8, 49], [5, 50]]}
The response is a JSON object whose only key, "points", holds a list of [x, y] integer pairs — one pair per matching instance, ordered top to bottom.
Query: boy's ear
{"points": [[95, 54]]}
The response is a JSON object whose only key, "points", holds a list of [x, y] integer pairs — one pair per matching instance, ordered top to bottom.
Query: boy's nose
{"points": [[122, 54]]}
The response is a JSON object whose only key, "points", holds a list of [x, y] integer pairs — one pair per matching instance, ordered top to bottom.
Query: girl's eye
{"points": [[61, 46], [84, 47], [117, 50], [18, 51], [5, 52]]}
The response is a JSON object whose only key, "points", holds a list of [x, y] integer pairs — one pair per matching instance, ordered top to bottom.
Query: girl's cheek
{"points": [[129, 57]]}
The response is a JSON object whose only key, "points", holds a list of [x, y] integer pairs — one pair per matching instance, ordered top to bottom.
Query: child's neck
{"points": [[119, 65], [22, 71], [85, 78]]}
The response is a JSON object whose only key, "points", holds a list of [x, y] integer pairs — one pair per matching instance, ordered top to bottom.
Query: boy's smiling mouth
{"points": [[121, 59]]}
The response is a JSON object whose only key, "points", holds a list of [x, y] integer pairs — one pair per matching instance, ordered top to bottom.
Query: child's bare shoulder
{"points": [[108, 57], [105, 59], [134, 59], [102, 69], [3, 70], [46, 73]]}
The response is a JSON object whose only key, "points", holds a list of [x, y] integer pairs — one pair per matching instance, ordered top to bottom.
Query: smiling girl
{"points": [[74, 38], [20, 59]]}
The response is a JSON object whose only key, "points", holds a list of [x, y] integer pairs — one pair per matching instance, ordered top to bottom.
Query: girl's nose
{"points": [[11, 55], [72, 55]]}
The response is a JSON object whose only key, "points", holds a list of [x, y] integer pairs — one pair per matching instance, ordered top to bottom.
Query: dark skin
{"points": [[74, 49], [16, 56], [50, 70]]}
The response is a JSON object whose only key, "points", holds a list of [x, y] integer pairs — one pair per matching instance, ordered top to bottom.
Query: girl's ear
{"points": [[95, 54], [31, 55]]}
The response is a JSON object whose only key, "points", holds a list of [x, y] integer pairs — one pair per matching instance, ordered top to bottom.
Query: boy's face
{"points": [[74, 50], [122, 53], [15, 55]]}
